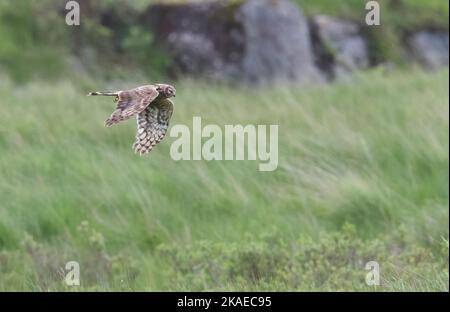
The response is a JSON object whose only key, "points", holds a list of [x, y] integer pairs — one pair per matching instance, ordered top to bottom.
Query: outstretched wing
{"points": [[132, 102], [152, 125]]}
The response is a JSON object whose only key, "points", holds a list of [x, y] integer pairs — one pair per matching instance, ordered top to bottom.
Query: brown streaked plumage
{"points": [[153, 108]]}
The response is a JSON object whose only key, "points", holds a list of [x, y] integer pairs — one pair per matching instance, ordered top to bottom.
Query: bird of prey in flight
{"points": [[153, 108]]}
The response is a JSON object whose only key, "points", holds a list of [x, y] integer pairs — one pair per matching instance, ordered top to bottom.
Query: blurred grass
{"points": [[371, 152]]}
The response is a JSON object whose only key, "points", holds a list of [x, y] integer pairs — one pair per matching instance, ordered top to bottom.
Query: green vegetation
{"points": [[423, 9], [35, 33], [37, 43], [363, 175]]}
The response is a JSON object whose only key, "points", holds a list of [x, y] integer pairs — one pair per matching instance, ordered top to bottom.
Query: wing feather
{"points": [[132, 102], [152, 125]]}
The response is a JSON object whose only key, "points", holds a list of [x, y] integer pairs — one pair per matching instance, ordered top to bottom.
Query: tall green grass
{"points": [[363, 175]]}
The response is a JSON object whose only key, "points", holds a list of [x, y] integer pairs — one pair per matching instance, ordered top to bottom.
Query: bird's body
{"points": [[153, 110]]}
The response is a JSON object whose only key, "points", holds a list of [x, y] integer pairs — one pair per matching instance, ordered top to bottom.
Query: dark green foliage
{"points": [[332, 262]]}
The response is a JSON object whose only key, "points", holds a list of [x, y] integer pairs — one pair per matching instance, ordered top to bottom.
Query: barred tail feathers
{"points": [[104, 93]]}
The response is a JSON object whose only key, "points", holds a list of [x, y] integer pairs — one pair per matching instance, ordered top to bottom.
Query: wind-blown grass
{"points": [[371, 152]]}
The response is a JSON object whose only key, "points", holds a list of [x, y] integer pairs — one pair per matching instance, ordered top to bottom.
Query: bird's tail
{"points": [[105, 93]]}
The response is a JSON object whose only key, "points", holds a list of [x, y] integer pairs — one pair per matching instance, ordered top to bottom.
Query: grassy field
{"points": [[363, 175]]}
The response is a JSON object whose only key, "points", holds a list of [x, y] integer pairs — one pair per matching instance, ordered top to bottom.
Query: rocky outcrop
{"points": [[200, 37], [255, 41], [262, 41], [277, 42], [339, 46], [430, 48]]}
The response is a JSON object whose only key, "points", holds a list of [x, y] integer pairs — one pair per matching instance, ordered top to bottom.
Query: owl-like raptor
{"points": [[153, 110]]}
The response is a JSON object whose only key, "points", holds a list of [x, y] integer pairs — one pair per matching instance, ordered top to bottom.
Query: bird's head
{"points": [[166, 90]]}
